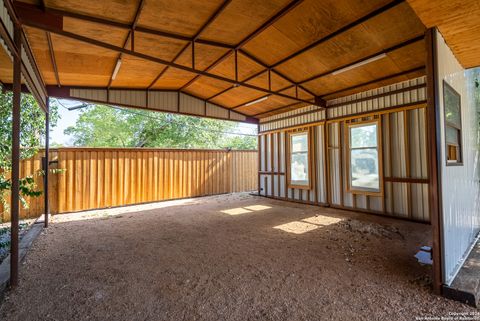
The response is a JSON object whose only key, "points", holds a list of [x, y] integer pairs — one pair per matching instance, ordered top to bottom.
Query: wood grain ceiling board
{"points": [[121, 11], [183, 17], [241, 18], [310, 21], [458, 22], [383, 31], [111, 35], [39, 45], [156, 46], [205, 55], [402, 59], [81, 64], [6, 67], [136, 73], [173, 79], [277, 82], [381, 83], [205, 87], [302, 94], [237, 96], [271, 103], [282, 109]]}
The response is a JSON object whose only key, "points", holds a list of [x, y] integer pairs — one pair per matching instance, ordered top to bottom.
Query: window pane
{"points": [[452, 106], [452, 135], [364, 136], [299, 143], [299, 169], [364, 169]]}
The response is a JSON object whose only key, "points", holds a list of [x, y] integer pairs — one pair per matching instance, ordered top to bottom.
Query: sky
{"points": [[69, 118]]}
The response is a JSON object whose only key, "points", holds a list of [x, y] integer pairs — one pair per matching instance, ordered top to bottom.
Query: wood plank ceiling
{"points": [[459, 23], [228, 52]]}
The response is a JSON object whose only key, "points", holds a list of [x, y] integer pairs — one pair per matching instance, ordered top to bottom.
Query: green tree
{"points": [[103, 126], [32, 130]]}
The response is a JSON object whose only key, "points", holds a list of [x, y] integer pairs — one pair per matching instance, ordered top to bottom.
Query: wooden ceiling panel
{"points": [[121, 11], [184, 17], [241, 18], [458, 22], [307, 23], [394, 26], [92, 30], [39, 45], [156, 46], [339, 51], [205, 55], [394, 63], [81, 64], [247, 67], [6, 68], [226, 68], [136, 73], [173, 79], [277, 82], [381, 83], [207, 87], [302, 94], [237, 96], [271, 103], [282, 109]]}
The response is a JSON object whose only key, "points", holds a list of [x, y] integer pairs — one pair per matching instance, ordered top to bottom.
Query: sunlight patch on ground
{"points": [[257, 207], [245, 209], [236, 211], [111, 212], [322, 220], [308, 224], [297, 227]]}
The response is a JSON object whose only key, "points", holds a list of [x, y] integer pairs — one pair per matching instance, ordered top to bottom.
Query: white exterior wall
{"points": [[460, 185]]}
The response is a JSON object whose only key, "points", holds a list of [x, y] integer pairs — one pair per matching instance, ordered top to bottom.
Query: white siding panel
{"points": [[460, 184]]}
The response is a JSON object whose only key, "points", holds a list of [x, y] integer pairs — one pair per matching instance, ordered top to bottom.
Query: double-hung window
{"points": [[453, 125], [299, 171], [364, 174]]}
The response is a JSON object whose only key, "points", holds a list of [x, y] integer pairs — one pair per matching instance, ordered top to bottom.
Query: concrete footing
{"points": [[466, 285]]}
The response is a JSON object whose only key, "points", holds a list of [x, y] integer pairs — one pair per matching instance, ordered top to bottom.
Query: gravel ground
{"points": [[230, 257]]}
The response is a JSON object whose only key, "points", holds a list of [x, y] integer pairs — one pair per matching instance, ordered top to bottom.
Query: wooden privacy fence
{"points": [[107, 177]]}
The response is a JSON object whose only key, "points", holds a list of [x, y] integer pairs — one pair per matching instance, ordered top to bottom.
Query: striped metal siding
{"points": [[7, 22], [36, 82], [130, 98], [163, 100], [166, 101], [349, 105], [192, 106], [346, 106], [215, 111], [308, 114], [404, 151], [404, 157], [273, 181], [460, 184]]}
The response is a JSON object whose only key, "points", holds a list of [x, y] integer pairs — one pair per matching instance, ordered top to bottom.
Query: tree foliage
{"points": [[103, 126], [32, 130]]}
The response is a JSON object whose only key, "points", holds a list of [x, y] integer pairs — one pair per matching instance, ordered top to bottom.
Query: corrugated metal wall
{"points": [[166, 101], [400, 109], [460, 184]]}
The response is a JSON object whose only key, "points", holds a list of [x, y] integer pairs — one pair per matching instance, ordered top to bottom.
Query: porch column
{"points": [[17, 86], [47, 150]]}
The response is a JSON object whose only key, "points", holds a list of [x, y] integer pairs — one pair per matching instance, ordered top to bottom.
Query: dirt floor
{"points": [[230, 257]]}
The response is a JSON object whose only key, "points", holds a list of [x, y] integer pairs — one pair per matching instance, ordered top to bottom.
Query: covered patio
{"points": [[361, 106], [229, 257]]}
